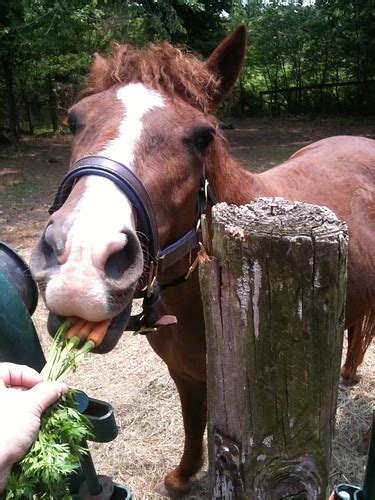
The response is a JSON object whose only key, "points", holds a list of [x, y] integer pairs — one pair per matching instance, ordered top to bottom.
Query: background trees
{"points": [[310, 57]]}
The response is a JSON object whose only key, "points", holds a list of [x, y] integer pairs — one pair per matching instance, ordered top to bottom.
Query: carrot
{"points": [[75, 329], [86, 330], [80, 331], [97, 334]]}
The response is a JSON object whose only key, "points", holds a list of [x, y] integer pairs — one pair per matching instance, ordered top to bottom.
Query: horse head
{"points": [[145, 115]]}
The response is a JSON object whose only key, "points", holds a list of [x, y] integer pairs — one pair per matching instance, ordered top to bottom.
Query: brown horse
{"points": [[150, 111]]}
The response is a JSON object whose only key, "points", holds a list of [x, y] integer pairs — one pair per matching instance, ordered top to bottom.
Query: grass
{"points": [[261, 157], [25, 188]]}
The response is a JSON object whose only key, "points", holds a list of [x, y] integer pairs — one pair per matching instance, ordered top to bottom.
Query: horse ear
{"points": [[226, 61], [99, 66], [99, 77]]}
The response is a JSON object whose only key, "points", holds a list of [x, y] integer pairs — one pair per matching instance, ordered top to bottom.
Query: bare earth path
{"points": [[131, 377]]}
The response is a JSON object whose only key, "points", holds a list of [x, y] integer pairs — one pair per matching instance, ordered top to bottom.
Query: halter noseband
{"points": [[158, 259]]}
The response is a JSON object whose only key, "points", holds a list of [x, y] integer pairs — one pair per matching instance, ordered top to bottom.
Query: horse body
{"points": [[151, 110], [323, 174]]}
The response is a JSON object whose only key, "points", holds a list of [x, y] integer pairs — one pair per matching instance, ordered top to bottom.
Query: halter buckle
{"points": [[192, 267], [152, 276]]}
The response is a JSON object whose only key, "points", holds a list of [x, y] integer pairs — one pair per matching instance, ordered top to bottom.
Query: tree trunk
{"points": [[242, 96], [52, 105], [12, 106], [28, 112], [274, 305]]}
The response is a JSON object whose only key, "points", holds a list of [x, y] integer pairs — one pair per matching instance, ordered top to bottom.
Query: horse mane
{"points": [[161, 67]]}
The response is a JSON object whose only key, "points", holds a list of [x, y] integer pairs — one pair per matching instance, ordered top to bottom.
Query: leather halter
{"points": [[129, 183], [158, 259]]}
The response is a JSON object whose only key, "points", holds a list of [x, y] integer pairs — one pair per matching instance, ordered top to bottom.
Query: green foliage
{"points": [[199, 25], [46, 43], [294, 45], [53, 457]]}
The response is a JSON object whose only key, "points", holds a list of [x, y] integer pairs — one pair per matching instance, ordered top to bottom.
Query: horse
{"points": [[124, 222]]}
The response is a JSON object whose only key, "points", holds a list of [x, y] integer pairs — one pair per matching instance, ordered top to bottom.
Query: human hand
{"points": [[23, 398]]}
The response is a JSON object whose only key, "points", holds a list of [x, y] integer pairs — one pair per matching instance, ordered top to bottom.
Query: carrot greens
{"points": [[55, 454]]}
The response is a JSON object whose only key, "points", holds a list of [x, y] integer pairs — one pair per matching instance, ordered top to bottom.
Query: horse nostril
{"points": [[50, 238], [56, 240], [52, 244], [107, 246], [45, 255], [128, 259]]}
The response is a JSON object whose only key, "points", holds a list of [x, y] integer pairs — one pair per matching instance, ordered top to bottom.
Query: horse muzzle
{"points": [[111, 338]]}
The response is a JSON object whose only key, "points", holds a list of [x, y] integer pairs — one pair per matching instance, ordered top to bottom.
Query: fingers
{"points": [[18, 375], [40, 394], [44, 394]]}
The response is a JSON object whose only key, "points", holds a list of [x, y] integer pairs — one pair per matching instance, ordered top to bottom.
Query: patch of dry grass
{"points": [[354, 414]]}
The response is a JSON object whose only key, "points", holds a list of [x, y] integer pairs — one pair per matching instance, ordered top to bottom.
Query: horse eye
{"points": [[72, 124], [203, 139]]}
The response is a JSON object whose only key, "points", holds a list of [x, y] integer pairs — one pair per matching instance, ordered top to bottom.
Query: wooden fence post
{"points": [[274, 305]]}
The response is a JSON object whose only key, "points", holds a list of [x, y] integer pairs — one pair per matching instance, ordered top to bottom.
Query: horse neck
{"points": [[230, 182]]}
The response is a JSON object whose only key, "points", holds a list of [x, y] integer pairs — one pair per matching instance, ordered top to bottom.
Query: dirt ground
{"points": [[131, 377]]}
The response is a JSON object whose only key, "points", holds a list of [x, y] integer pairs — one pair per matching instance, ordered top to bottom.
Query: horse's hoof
{"points": [[347, 379], [350, 382], [363, 445], [161, 490], [164, 491]]}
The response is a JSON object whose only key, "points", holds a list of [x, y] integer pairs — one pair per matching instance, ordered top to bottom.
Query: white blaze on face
{"points": [[137, 100], [99, 219]]}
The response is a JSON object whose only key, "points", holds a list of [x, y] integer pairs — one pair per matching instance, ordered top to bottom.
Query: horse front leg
{"points": [[360, 336], [348, 372], [194, 411]]}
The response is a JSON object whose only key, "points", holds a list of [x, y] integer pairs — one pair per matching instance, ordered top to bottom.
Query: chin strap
{"points": [[148, 321]]}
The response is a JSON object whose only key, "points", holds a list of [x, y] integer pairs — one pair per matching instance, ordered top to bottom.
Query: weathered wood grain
{"points": [[274, 300]]}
